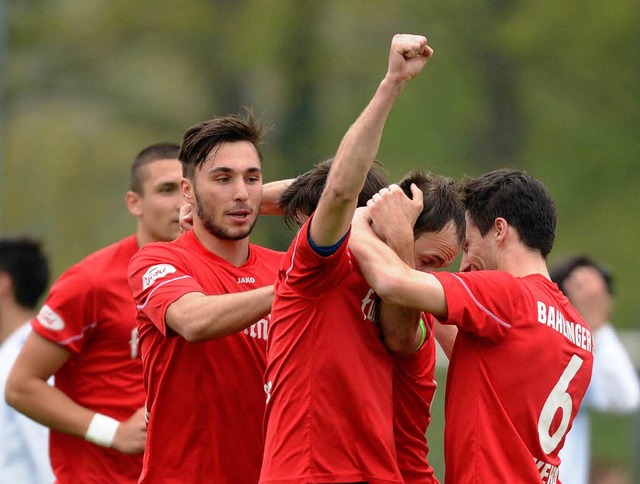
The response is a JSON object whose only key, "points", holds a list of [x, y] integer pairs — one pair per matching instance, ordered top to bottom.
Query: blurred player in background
{"points": [[24, 275], [86, 336], [614, 384]]}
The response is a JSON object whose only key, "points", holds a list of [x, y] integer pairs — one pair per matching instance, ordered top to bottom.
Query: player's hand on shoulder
{"points": [[408, 55], [131, 436]]}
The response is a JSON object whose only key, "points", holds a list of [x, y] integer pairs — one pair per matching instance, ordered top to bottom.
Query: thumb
{"points": [[416, 194]]}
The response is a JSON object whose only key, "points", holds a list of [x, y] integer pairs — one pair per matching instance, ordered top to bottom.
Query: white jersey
{"points": [[614, 388], [24, 444]]}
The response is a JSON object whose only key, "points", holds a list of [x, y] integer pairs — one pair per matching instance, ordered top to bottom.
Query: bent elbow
{"points": [[386, 288], [193, 332], [400, 345], [14, 394]]}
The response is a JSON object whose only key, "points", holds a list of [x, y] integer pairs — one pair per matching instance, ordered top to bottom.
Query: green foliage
{"points": [[547, 86]]}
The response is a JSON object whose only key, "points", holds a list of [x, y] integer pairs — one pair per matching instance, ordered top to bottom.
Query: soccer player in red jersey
{"points": [[438, 234], [203, 309], [86, 336], [522, 358], [329, 414]]}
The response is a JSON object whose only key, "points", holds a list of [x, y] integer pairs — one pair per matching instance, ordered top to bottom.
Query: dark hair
{"points": [[200, 140], [155, 152], [303, 195], [520, 199], [442, 202], [26, 264], [560, 271]]}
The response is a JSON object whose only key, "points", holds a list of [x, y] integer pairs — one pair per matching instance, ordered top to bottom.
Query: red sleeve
{"points": [[308, 273], [157, 278], [482, 302], [69, 313]]}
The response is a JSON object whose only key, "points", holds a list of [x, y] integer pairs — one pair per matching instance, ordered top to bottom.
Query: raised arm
{"points": [[357, 151]]}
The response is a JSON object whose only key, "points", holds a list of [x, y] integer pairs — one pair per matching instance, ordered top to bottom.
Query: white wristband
{"points": [[102, 430]]}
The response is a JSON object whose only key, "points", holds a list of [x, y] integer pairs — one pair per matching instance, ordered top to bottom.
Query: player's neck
{"points": [[235, 252], [521, 261], [12, 317]]}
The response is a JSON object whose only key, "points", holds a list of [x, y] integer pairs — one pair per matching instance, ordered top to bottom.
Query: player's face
{"points": [[228, 190], [160, 200], [436, 250], [479, 252]]}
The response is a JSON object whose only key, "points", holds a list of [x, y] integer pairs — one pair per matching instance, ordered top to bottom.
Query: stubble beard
{"points": [[216, 230]]}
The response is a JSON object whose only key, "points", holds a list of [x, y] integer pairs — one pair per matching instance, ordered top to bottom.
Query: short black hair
{"points": [[200, 140], [155, 152], [303, 195], [520, 199], [442, 203], [26, 264], [561, 271]]}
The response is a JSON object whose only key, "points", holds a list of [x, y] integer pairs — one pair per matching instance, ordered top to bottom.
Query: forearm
{"points": [[360, 144], [352, 162], [271, 195], [394, 281], [197, 317], [400, 325], [45, 404]]}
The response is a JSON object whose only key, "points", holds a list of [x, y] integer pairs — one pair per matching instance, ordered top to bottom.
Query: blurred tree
{"points": [[546, 86]]}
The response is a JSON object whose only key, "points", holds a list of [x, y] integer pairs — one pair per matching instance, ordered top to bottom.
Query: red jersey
{"points": [[90, 312], [519, 368], [414, 385], [205, 400], [329, 411]]}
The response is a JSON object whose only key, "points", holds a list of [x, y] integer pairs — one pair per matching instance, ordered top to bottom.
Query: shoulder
{"points": [[480, 280]]}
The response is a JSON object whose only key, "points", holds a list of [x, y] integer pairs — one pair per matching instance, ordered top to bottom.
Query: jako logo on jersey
{"points": [[156, 272], [246, 280], [50, 319]]}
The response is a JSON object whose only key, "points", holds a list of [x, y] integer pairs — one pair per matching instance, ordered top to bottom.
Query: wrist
{"points": [[102, 430]]}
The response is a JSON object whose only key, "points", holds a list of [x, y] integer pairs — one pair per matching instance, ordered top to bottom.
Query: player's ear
{"points": [[188, 192], [133, 201], [501, 227]]}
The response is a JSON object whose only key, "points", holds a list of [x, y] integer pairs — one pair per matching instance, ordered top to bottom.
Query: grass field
{"points": [[615, 439]]}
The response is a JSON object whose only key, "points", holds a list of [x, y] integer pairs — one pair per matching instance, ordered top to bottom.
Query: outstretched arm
{"points": [[357, 151], [394, 281], [199, 317], [399, 325]]}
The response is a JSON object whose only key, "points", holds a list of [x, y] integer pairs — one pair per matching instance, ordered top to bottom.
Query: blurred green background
{"points": [[550, 87]]}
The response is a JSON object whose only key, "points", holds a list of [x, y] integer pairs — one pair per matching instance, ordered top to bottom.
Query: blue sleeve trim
{"points": [[326, 251]]}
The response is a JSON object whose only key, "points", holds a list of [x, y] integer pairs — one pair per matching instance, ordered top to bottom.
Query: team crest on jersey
{"points": [[156, 272], [50, 319]]}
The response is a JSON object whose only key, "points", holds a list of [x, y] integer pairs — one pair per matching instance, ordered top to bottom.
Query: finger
{"points": [[394, 187], [416, 193]]}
